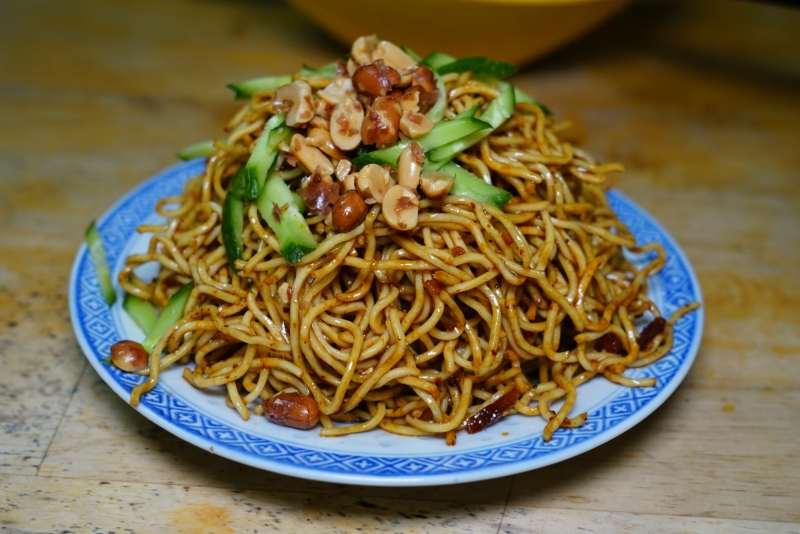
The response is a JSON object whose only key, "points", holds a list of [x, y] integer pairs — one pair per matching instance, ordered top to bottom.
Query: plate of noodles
{"points": [[390, 271]]}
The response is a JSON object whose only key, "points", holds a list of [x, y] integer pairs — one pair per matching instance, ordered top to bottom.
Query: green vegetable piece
{"points": [[413, 55], [438, 59], [480, 66], [325, 71], [248, 88], [522, 96], [498, 111], [204, 149], [263, 155], [469, 185], [278, 206], [232, 226], [98, 256], [173, 311], [142, 312]]}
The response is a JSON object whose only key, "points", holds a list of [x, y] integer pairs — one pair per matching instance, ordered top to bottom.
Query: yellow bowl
{"points": [[517, 31]]}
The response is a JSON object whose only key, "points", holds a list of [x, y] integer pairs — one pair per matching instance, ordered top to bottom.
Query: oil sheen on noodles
{"points": [[474, 313]]}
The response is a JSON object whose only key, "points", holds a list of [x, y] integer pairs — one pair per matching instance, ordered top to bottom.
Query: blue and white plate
{"points": [[374, 458]]}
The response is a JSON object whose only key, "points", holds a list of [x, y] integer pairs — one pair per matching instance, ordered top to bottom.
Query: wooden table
{"points": [[700, 99]]}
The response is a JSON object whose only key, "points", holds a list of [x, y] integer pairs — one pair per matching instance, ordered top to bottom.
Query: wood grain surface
{"points": [[699, 99]]}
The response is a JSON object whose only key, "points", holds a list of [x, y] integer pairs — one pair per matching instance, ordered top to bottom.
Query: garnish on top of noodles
{"points": [[394, 242]]}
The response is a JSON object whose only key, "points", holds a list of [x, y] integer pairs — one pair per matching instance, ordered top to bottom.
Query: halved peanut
{"points": [[363, 48], [393, 55], [375, 79], [338, 90], [295, 98], [410, 101], [346, 121], [381, 124], [414, 124], [321, 139], [311, 157], [409, 165], [343, 168], [349, 182], [373, 182], [435, 184], [400, 208]]}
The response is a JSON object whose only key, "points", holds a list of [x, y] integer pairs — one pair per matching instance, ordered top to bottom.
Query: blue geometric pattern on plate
{"points": [[96, 331]]}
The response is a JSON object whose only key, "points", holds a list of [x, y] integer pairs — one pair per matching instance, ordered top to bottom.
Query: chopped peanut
{"points": [[295, 98], [346, 121], [311, 157], [373, 182], [400, 208]]}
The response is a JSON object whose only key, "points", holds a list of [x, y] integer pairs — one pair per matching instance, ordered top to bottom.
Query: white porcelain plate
{"points": [[374, 458]]}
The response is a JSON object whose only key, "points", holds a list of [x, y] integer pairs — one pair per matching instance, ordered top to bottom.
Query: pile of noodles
{"points": [[416, 331]]}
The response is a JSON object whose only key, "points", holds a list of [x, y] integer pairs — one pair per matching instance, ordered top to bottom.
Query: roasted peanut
{"points": [[363, 48], [368, 48], [393, 55], [375, 79], [423, 82], [338, 90], [295, 98], [346, 121], [414, 124], [381, 125], [321, 139], [311, 157], [409, 165], [343, 168], [349, 182], [373, 182], [435, 184], [400, 208], [349, 211], [129, 356], [292, 409]]}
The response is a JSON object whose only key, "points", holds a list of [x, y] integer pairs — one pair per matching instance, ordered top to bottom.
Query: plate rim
{"points": [[480, 473]]}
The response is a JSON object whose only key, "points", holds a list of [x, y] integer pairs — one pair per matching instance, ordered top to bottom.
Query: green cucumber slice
{"points": [[248, 88], [498, 111], [204, 149], [469, 185], [294, 236], [98, 256], [141, 311], [173, 311]]}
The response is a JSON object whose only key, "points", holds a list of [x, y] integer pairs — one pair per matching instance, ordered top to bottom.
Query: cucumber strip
{"points": [[413, 55], [438, 59], [480, 66], [325, 71], [248, 88], [522, 96], [498, 111], [436, 113], [442, 133], [205, 149], [264, 153], [469, 185], [278, 206], [232, 226], [98, 256], [173, 311], [142, 312]]}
